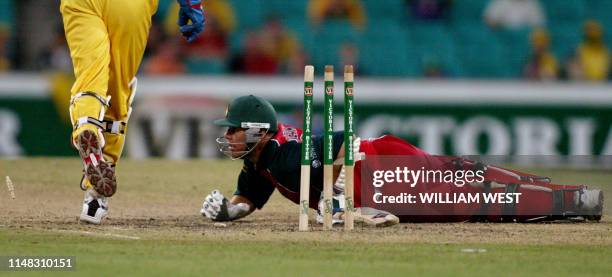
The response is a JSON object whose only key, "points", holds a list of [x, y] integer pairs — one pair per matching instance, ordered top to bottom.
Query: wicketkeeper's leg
{"points": [[128, 25], [87, 37]]}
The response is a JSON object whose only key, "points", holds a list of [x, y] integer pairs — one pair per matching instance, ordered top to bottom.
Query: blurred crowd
{"points": [[274, 45]]}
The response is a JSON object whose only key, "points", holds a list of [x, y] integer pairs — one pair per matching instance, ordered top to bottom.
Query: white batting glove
{"points": [[215, 206], [218, 208]]}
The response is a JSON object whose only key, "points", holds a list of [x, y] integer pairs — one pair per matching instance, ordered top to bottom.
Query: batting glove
{"points": [[191, 11], [218, 208]]}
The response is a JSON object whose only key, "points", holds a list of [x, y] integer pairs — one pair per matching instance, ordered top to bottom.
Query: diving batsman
{"points": [[107, 39], [271, 155]]}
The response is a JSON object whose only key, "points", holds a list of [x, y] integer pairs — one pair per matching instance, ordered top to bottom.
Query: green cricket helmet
{"points": [[249, 112], [254, 114]]}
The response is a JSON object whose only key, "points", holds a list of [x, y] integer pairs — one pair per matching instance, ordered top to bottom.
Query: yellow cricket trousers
{"points": [[107, 39]]}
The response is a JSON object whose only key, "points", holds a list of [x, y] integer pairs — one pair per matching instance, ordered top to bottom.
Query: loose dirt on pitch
{"points": [[160, 199]]}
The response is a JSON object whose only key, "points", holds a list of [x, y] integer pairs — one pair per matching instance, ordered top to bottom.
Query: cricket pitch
{"points": [[154, 228]]}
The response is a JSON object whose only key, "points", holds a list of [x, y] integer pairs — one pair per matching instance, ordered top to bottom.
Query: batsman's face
{"points": [[237, 141]]}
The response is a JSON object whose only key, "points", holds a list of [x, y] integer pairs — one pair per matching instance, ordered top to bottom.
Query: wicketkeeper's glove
{"points": [[191, 11], [218, 208]]}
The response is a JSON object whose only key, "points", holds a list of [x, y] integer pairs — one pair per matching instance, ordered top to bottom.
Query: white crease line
{"points": [[11, 188], [119, 228], [100, 234], [472, 250]]}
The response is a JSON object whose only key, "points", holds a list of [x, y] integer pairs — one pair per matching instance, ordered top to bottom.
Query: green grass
{"points": [[208, 257]]}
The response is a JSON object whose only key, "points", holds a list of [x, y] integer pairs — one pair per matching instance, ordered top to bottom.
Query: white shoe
{"points": [[589, 203], [95, 207], [337, 213], [374, 217], [337, 218]]}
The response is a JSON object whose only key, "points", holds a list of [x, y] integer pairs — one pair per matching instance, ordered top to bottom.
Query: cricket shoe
{"points": [[101, 174], [589, 203], [95, 207], [337, 210], [337, 217], [374, 217]]}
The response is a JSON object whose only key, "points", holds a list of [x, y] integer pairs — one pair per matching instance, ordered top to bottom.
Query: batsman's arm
{"points": [[245, 205]]}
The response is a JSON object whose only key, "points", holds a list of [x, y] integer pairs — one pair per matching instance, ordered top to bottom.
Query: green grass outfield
{"points": [[154, 229], [170, 257]]}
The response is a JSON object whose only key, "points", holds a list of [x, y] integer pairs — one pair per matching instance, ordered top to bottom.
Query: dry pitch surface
{"points": [[154, 227]]}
